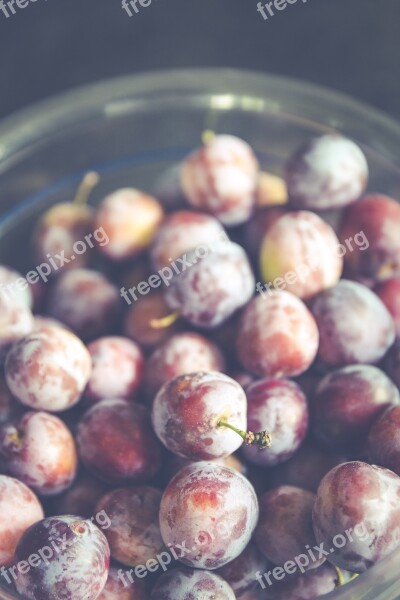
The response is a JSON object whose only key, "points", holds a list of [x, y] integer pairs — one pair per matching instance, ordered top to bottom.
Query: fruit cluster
{"points": [[230, 440]]}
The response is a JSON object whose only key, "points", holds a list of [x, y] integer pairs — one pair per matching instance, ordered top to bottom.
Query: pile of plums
{"points": [[205, 406]]}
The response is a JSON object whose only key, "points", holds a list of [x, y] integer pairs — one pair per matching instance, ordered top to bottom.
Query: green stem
{"points": [[207, 136], [87, 184], [165, 322], [262, 439], [341, 579]]}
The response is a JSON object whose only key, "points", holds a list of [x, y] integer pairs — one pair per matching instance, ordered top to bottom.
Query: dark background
{"points": [[53, 45]]}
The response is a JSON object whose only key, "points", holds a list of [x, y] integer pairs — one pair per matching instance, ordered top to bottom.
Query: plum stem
{"points": [[207, 136], [85, 188], [165, 322], [262, 439], [12, 440], [340, 576], [341, 579]]}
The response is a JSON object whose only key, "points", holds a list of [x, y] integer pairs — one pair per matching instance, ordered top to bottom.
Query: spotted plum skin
{"points": [[327, 172], [221, 177], [378, 217], [131, 218], [58, 230], [180, 232], [302, 245], [214, 287], [389, 292], [86, 301], [17, 322], [354, 325], [277, 336], [181, 354], [48, 369], [117, 369], [346, 404], [279, 407], [187, 409], [384, 440], [117, 444], [41, 452], [175, 463], [362, 498], [19, 509], [213, 509], [285, 525], [134, 533], [78, 570], [239, 573], [190, 584], [310, 585], [116, 590]]}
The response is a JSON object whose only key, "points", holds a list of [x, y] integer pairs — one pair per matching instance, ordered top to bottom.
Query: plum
{"points": [[328, 171], [221, 177], [377, 217], [131, 218], [180, 232], [301, 253], [209, 291], [86, 301], [354, 325], [277, 336], [182, 353], [48, 369], [117, 369], [346, 404], [280, 407], [187, 410], [384, 440], [116, 442], [41, 452], [19, 509], [356, 515], [207, 516], [285, 528], [134, 534], [70, 559], [190, 584]]}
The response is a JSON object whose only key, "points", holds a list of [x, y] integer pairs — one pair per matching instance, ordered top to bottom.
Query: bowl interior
{"points": [[135, 131]]}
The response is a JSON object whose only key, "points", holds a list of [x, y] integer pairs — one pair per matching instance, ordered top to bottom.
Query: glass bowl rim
{"points": [[126, 93]]}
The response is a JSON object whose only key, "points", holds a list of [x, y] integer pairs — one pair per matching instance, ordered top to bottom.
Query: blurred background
{"points": [[53, 45]]}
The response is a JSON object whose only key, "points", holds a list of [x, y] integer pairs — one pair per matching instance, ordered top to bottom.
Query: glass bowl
{"points": [[132, 129]]}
